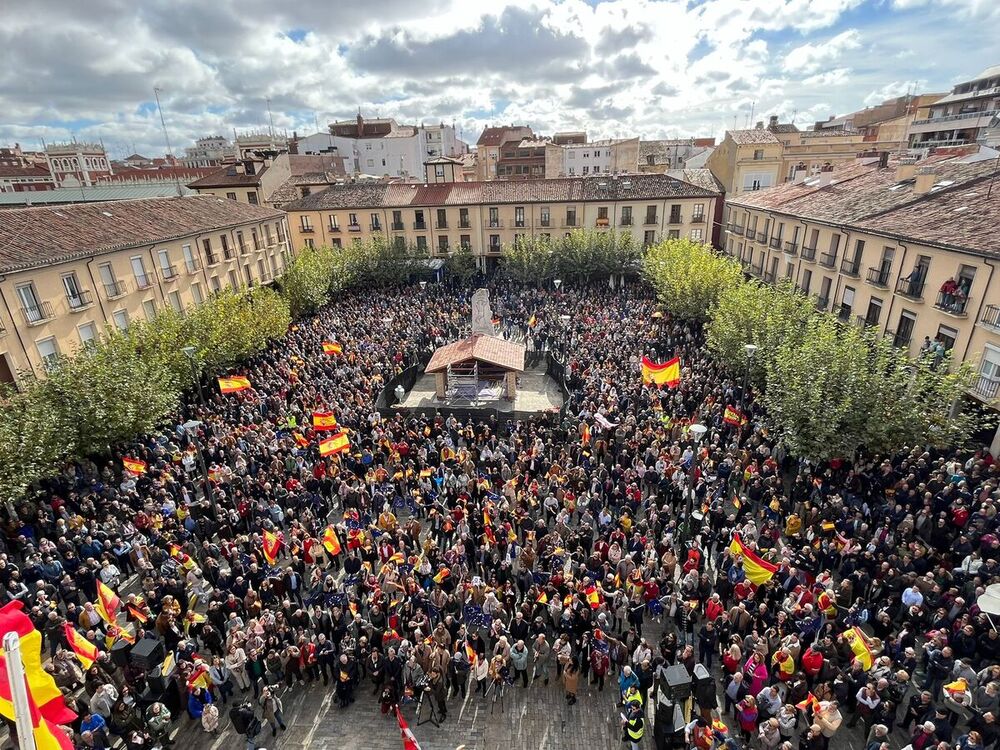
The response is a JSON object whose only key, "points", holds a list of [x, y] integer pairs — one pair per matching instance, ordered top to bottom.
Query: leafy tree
{"points": [[461, 263], [688, 277], [307, 281], [31, 442]]}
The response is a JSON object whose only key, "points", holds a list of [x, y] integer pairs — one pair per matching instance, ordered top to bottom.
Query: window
{"points": [[571, 154], [586, 154], [758, 154], [370, 162], [586, 169], [596, 169], [439, 170], [572, 171], [231, 196], [252, 197], [675, 213], [699, 213], [650, 215], [519, 216], [543, 216], [626, 216], [494, 217], [571, 217], [442, 218], [463, 218], [397, 220], [418, 220], [352, 221], [305, 222], [376, 222], [334, 223], [673, 234], [267, 235], [696, 235], [649, 237], [224, 238], [466, 241], [337, 242], [241, 243], [310, 243], [443, 243], [494, 243], [422, 244], [210, 258], [189, 262], [166, 269], [261, 269], [142, 279], [234, 280], [806, 281], [216, 286], [196, 293], [74, 296], [175, 301], [149, 309], [874, 312], [120, 317], [87, 333], [947, 335], [48, 350]]}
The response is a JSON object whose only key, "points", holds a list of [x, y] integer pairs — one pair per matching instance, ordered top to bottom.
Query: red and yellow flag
{"points": [[532, 321], [332, 347], [665, 373], [233, 384], [733, 416], [324, 420], [585, 434], [300, 440], [334, 444], [134, 465], [490, 536], [330, 541], [271, 544], [757, 569], [441, 575], [543, 598], [593, 598], [107, 603], [138, 613], [192, 618], [858, 642], [85, 651], [471, 653], [199, 678], [45, 699], [810, 701]]}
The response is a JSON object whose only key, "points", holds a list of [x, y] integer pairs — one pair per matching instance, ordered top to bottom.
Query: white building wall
{"points": [[395, 156]]}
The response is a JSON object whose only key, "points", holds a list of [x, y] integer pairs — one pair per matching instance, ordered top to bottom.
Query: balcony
{"points": [[961, 120], [674, 219], [698, 219], [651, 220], [626, 221], [544, 222], [570, 223], [440, 224], [464, 224], [494, 224], [519, 224], [375, 226], [397, 226], [420, 226], [353, 227], [334, 228], [306, 230], [749, 232], [761, 236], [775, 243], [493, 248], [791, 248], [244, 249], [808, 253], [212, 260], [828, 260], [193, 265], [850, 267], [757, 269], [168, 273], [265, 277], [769, 277], [878, 277], [143, 281], [115, 289], [910, 289], [79, 301], [822, 302], [952, 304], [843, 312], [36, 314], [991, 317], [864, 321], [900, 339], [986, 387]]}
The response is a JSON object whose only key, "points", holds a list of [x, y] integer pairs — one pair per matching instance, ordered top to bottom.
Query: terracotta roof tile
{"points": [[751, 136], [228, 177], [496, 351]]}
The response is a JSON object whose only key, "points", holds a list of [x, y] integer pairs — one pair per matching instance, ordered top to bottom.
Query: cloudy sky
{"points": [[639, 67]]}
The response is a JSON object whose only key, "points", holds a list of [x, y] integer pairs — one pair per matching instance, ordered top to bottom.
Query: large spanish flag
{"points": [[332, 347], [665, 373], [233, 385], [733, 416], [324, 420], [334, 444], [134, 465], [330, 541], [271, 545], [757, 569], [107, 603], [858, 642], [85, 651], [45, 699]]}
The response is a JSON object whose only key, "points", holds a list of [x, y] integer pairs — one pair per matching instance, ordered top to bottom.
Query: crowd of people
{"points": [[500, 554]]}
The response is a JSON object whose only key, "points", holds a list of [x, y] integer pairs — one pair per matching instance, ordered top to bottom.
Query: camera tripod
{"points": [[495, 693], [433, 717]]}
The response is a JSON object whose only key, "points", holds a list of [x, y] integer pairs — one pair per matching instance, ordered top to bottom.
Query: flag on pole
{"points": [[532, 321], [332, 347], [664, 373], [233, 385], [733, 416], [324, 420], [585, 434], [300, 440], [334, 444], [134, 465], [330, 541], [271, 543], [757, 569], [441, 575], [107, 603], [192, 618], [858, 642], [85, 651], [471, 653], [199, 678], [811, 701], [47, 735], [409, 741]]}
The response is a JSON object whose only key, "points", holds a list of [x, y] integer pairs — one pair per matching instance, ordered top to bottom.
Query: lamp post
{"points": [[558, 283], [423, 285], [750, 349], [189, 352], [189, 428], [697, 432]]}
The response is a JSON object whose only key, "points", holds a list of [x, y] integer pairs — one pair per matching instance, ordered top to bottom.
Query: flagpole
{"points": [[19, 692]]}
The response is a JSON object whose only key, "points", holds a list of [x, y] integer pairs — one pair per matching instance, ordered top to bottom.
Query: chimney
{"points": [[773, 122], [760, 125], [883, 159], [905, 171], [825, 176], [926, 177]]}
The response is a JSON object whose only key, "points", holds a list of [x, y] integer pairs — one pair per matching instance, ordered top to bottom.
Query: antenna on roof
{"points": [[270, 117], [166, 138]]}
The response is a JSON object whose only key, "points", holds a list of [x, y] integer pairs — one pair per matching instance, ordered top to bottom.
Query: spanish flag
{"points": [[532, 321], [332, 347], [666, 373], [233, 385], [733, 416], [324, 420], [585, 434], [300, 440], [334, 444], [134, 465], [487, 521], [490, 537], [355, 538], [330, 541], [270, 544], [181, 557], [757, 569], [441, 575], [543, 598], [593, 598], [567, 600], [107, 603], [138, 614], [192, 618], [115, 634], [858, 642], [85, 651], [470, 653], [199, 678], [811, 701]]}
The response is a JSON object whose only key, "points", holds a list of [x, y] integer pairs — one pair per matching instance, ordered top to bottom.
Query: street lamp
{"points": [[558, 283], [423, 285], [750, 349], [189, 352], [189, 428], [697, 433]]}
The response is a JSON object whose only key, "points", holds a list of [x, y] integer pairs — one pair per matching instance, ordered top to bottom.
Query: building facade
{"points": [[961, 117], [489, 144], [212, 151], [611, 156], [659, 156], [747, 160], [77, 163], [485, 216], [902, 247], [69, 272]]}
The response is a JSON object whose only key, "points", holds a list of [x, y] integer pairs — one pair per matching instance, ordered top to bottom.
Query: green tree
{"points": [[461, 263], [688, 277], [307, 281], [231, 325], [31, 442]]}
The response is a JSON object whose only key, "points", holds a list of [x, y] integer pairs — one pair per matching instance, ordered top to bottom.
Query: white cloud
{"points": [[812, 57]]}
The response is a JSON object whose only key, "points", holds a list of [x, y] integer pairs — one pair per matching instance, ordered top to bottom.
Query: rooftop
{"points": [[498, 135], [752, 136], [24, 172], [227, 176], [563, 190], [96, 194], [954, 213], [32, 237], [496, 351]]}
